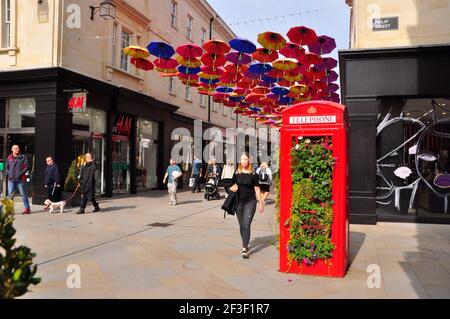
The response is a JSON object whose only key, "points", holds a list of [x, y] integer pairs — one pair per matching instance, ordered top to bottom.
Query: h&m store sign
{"points": [[78, 102]]}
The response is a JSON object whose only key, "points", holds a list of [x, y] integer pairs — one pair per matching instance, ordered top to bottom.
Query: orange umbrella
{"points": [[271, 40], [216, 46], [136, 52], [265, 55], [188, 62], [142, 64], [285, 64], [260, 90]]}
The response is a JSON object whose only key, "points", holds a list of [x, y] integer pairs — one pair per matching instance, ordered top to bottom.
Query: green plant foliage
{"points": [[72, 177], [311, 212], [16, 263]]}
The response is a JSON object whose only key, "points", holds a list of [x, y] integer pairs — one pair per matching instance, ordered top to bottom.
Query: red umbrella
{"points": [[302, 35], [216, 46], [292, 50], [189, 51], [264, 55], [311, 58], [213, 60], [166, 63], [142, 64], [236, 68], [212, 71], [315, 74], [260, 90], [241, 91], [253, 98], [230, 103]]}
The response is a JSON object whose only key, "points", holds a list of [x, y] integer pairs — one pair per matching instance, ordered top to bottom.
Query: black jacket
{"points": [[210, 171], [52, 175], [87, 177], [230, 203]]}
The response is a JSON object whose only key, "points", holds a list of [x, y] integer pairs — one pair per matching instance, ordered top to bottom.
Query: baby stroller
{"points": [[211, 188]]}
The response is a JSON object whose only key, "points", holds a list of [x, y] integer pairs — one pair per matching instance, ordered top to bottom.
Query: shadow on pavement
{"points": [[110, 209], [356, 242], [259, 243]]}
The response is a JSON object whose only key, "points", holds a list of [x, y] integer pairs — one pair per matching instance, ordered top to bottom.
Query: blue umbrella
{"points": [[243, 45], [160, 50], [260, 68], [186, 70], [268, 79], [209, 81], [224, 89], [280, 90], [236, 98], [285, 100], [254, 109]]}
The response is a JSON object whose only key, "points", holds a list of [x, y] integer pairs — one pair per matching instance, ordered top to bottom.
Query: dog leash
{"points": [[70, 198]]}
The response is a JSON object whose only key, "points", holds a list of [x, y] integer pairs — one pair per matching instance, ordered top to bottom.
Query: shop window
{"points": [[21, 112], [147, 154]]}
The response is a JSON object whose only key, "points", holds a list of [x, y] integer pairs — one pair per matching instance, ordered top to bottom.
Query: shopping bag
{"points": [[191, 182]]}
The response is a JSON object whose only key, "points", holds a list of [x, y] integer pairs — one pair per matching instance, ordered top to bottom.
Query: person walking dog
{"points": [[16, 171], [87, 184], [246, 185]]}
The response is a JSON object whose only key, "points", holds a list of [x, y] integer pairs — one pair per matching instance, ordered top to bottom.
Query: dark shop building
{"points": [[399, 108]]}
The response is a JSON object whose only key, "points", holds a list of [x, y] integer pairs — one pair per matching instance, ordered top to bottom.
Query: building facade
{"points": [[55, 50], [396, 87]]}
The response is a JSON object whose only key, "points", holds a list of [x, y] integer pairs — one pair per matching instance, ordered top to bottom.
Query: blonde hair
{"points": [[264, 165], [249, 167]]}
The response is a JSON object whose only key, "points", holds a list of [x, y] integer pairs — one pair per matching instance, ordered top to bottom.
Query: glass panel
{"points": [[21, 112], [91, 121], [147, 154], [120, 166]]}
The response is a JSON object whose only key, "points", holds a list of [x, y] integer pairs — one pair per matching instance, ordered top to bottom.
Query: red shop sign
{"points": [[77, 103], [122, 125]]}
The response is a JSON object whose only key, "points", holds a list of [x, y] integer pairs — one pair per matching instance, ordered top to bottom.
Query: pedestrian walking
{"points": [[16, 171], [173, 172], [196, 174], [227, 176], [52, 180], [265, 180], [87, 184], [246, 184]]}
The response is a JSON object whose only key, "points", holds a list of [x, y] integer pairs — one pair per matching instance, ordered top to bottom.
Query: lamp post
{"points": [[107, 10]]}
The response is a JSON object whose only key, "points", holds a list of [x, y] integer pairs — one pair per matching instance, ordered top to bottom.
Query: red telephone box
{"points": [[314, 124]]}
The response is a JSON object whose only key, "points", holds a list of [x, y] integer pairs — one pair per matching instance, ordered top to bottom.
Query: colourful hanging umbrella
{"points": [[302, 35], [271, 40], [243, 45], [323, 45], [216, 47], [160, 49], [292, 50], [135, 51], [189, 51], [264, 55], [238, 58], [311, 58], [213, 60], [188, 62], [166, 63], [327, 63], [142, 64], [285, 64], [236, 68], [259, 68], [186, 70], [212, 71], [167, 72], [315, 74], [186, 76], [208, 76], [331, 76], [269, 79], [209, 81], [333, 87], [299, 88], [224, 89], [260, 90], [279, 90], [241, 91], [253, 98]]}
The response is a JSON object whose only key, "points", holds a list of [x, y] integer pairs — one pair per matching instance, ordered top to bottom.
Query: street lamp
{"points": [[106, 8]]}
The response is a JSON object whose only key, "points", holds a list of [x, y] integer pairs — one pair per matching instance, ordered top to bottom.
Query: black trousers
{"points": [[196, 183], [53, 193], [88, 195], [245, 212]]}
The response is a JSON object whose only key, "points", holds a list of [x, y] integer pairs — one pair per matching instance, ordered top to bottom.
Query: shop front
{"points": [[399, 107]]}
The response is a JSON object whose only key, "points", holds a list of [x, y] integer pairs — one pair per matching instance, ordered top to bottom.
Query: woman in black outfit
{"points": [[247, 187]]}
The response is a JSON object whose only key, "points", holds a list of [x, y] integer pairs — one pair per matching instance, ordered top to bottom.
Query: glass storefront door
{"points": [[147, 154], [121, 165]]}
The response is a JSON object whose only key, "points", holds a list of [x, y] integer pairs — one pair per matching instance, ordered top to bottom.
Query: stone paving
{"points": [[121, 255]]}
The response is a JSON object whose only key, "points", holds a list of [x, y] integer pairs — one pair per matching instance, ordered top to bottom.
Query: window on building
{"points": [[173, 15], [6, 23], [189, 27], [203, 37], [114, 45], [125, 59], [172, 86], [187, 93], [203, 99], [214, 107], [224, 110], [21, 112], [233, 115]]}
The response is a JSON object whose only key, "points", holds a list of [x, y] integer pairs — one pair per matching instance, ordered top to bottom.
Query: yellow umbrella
{"points": [[271, 40], [136, 51], [188, 62], [285, 64], [162, 70], [208, 76], [291, 77], [299, 88]]}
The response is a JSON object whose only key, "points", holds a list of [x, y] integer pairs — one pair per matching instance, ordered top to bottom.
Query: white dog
{"points": [[53, 206]]}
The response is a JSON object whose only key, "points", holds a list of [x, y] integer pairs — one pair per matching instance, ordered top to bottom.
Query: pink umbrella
{"points": [[323, 45], [238, 58]]}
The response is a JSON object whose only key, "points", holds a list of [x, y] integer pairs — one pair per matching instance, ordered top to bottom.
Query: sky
{"points": [[248, 18]]}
